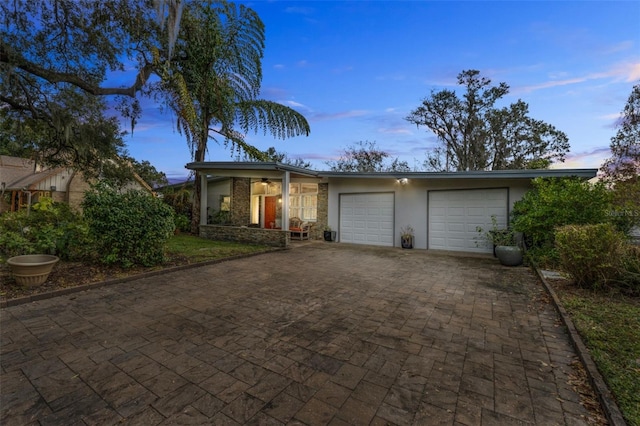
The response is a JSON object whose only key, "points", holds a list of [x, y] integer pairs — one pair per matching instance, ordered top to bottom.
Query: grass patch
{"points": [[198, 249], [610, 327]]}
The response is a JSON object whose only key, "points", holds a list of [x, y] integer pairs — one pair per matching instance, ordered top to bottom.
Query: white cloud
{"points": [[619, 47], [627, 72], [294, 104], [338, 115], [610, 117], [395, 131], [588, 159]]}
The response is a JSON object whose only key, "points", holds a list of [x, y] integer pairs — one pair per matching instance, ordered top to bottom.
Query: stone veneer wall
{"points": [[240, 201], [322, 213], [243, 234]]}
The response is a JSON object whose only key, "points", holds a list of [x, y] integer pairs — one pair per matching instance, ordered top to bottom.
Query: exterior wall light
{"points": [[403, 181]]}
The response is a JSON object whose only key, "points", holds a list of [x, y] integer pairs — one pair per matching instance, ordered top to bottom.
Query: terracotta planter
{"points": [[31, 269]]}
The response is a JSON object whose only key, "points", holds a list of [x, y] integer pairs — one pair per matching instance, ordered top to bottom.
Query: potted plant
{"points": [[329, 235], [406, 237], [505, 243]]}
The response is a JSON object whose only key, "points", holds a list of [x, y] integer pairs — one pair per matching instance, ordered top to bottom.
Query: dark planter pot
{"points": [[329, 236], [407, 242], [509, 255]]}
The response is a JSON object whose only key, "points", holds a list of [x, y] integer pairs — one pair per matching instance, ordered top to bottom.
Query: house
{"points": [[23, 182], [445, 209]]}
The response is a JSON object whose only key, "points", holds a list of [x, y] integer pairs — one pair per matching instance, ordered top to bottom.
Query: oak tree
{"points": [[55, 59], [474, 134], [364, 157], [622, 170]]}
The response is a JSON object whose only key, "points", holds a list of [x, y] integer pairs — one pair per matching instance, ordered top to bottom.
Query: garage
{"points": [[454, 216], [367, 218]]}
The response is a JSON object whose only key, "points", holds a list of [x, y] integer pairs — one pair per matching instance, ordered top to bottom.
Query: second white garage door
{"points": [[455, 215], [367, 218]]}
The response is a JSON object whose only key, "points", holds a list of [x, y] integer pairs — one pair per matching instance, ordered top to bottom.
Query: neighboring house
{"points": [[23, 183], [445, 209]]}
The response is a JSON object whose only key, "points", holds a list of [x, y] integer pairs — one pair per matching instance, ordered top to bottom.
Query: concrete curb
{"points": [[70, 290], [611, 409]]}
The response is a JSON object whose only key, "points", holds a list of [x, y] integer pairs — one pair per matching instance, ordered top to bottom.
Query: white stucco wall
{"points": [[411, 198]]}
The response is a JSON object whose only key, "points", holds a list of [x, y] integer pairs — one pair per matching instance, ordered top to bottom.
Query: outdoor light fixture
{"points": [[265, 181], [403, 181]]}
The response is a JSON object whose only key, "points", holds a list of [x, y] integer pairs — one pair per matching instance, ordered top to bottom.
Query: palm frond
{"points": [[274, 118]]}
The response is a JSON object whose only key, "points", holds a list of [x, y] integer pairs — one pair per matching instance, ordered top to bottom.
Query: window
{"points": [[303, 201], [225, 203]]}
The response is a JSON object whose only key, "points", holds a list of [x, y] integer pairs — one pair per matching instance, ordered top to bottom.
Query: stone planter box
{"points": [[31, 269]]}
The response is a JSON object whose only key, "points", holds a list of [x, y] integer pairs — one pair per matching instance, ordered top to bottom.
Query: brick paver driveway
{"points": [[321, 334]]}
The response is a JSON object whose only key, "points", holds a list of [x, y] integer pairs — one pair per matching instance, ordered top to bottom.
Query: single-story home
{"points": [[23, 182], [444, 209]]}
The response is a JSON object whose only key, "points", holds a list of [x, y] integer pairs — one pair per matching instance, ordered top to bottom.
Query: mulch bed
{"points": [[73, 274]]}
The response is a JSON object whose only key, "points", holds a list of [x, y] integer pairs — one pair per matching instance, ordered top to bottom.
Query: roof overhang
{"points": [[249, 169], [274, 170], [492, 174]]}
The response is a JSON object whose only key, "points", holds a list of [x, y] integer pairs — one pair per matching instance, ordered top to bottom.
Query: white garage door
{"points": [[455, 215], [367, 218]]}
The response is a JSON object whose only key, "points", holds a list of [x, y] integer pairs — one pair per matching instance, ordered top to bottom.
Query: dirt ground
{"points": [[73, 274]]}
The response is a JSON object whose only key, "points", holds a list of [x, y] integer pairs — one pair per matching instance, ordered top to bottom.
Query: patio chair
{"points": [[299, 229]]}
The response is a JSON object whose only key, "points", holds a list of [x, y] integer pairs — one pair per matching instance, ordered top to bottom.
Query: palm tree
{"points": [[213, 82]]}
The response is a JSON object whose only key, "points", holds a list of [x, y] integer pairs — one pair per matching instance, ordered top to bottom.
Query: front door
{"points": [[270, 212]]}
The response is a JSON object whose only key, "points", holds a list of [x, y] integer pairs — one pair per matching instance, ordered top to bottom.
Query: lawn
{"points": [[197, 249], [610, 327]]}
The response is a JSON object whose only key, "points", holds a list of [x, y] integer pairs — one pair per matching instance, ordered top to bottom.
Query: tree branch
{"points": [[16, 60]]}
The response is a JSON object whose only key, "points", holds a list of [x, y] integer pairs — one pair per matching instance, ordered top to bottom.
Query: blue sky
{"points": [[355, 69]]}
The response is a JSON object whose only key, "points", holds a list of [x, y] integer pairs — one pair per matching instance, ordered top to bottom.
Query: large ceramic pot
{"points": [[329, 236], [509, 255], [31, 269]]}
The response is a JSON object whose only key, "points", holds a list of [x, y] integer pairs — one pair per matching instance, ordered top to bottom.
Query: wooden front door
{"points": [[270, 212]]}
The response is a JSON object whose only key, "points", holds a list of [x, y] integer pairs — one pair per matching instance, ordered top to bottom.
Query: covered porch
{"points": [[260, 202]]}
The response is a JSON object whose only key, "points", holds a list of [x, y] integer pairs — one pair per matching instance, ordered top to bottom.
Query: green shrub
{"points": [[554, 202], [182, 222], [49, 228], [129, 228], [14, 244], [591, 254], [630, 271]]}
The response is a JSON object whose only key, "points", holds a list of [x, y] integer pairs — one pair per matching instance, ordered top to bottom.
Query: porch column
{"points": [[203, 199], [285, 201]]}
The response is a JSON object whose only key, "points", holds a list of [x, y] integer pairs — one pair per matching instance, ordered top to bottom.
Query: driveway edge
{"points": [[77, 289], [611, 409]]}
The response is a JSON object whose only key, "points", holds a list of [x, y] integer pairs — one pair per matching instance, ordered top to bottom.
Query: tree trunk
{"points": [[197, 187]]}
